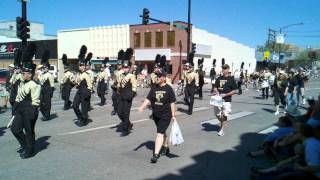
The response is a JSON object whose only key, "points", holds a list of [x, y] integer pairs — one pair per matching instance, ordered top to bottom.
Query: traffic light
{"points": [[145, 16], [22, 28], [193, 48]]}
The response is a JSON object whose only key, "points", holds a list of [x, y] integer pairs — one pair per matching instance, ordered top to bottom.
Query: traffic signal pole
{"points": [[24, 16], [189, 26]]}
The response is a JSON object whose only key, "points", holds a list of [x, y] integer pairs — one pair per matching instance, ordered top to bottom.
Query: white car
{"points": [[54, 71]]}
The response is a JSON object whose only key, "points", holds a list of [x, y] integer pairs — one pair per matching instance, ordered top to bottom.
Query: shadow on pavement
{"points": [[242, 102], [182, 110], [268, 110], [210, 127], [2, 130], [42, 144], [149, 145], [228, 165]]}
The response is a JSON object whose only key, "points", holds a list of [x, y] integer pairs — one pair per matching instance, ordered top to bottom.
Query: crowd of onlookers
{"points": [[294, 148]]}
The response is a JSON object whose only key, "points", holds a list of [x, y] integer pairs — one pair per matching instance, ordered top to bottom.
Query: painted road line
{"points": [[310, 89], [194, 110], [231, 117], [112, 125], [101, 127], [269, 130]]}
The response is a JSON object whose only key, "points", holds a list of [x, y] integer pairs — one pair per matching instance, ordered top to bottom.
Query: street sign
{"points": [[179, 26], [280, 38], [266, 55]]}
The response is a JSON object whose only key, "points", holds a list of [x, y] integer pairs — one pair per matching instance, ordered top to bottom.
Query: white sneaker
{"points": [[304, 101], [276, 113], [220, 133]]}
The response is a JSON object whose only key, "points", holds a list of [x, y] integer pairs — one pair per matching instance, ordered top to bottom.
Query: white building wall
{"points": [[104, 41], [234, 53]]}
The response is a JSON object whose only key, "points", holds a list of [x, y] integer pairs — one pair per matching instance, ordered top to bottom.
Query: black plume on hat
{"points": [[83, 52], [128, 54], [28, 55], [82, 55], [121, 56], [17, 58], [45, 58], [88, 58], [65, 60], [157, 60], [105, 61], [163, 61], [223, 61], [200, 62], [214, 62], [242, 64]]}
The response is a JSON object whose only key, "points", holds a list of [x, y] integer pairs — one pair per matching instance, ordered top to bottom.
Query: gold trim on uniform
{"points": [[46, 76], [29, 87]]}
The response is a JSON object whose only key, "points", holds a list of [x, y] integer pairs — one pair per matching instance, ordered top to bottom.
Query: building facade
{"points": [[159, 38], [103, 42], [212, 46]]}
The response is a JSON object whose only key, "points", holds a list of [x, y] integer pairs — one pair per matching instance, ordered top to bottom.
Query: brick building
{"points": [[159, 38]]}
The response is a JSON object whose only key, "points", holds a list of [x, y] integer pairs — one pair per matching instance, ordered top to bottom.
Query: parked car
{"points": [[4, 74]]}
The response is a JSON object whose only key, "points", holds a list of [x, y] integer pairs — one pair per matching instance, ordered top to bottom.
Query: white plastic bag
{"points": [[175, 135]]}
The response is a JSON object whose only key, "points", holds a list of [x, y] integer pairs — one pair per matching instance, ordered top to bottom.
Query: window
{"points": [[137, 38], [171, 38], [147, 39], [159, 39]]}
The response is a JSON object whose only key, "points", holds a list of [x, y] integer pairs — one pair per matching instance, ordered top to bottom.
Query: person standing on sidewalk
{"points": [[225, 86], [162, 99]]}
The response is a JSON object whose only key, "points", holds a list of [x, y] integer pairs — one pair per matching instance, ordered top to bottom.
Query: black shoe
{"points": [[113, 113], [189, 113], [130, 126], [125, 133], [20, 149], [164, 151], [26, 155], [154, 158]]}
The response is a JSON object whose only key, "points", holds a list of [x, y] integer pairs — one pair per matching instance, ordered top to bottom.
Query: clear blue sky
{"points": [[245, 21]]}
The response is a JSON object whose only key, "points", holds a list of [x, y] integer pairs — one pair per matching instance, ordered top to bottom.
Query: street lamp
{"points": [[295, 24]]}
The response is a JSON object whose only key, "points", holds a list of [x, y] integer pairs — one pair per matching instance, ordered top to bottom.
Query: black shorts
{"points": [[162, 123]]}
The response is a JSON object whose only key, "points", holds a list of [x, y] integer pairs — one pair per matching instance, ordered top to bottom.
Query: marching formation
{"points": [[32, 88]]}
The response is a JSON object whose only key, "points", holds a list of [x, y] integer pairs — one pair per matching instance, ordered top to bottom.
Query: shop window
{"points": [[171, 36], [137, 38], [147, 39], [159, 39]]}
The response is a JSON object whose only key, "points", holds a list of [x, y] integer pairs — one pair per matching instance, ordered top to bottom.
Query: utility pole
{"points": [[189, 27], [180, 60]]}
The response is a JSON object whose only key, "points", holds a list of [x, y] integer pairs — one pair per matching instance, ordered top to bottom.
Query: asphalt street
{"points": [[96, 151]]}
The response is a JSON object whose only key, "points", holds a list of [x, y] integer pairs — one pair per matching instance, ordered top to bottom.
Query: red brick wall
{"points": [[153, 28]]}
